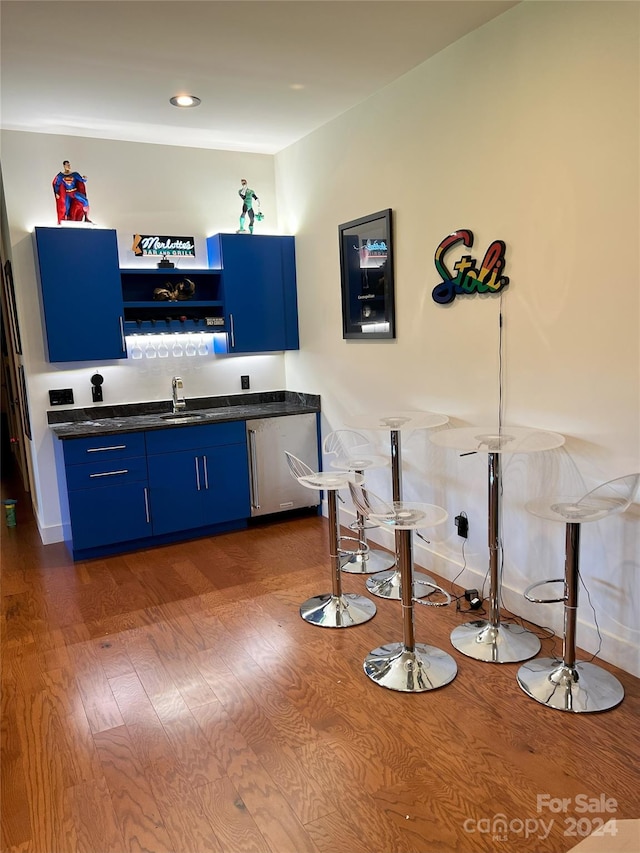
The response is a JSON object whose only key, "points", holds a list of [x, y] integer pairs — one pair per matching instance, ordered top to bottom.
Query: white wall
{"points": [[527, 131], [134, 188]]}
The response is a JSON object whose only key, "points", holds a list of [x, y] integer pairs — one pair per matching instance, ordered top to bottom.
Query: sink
{"points": [[182, 417]]}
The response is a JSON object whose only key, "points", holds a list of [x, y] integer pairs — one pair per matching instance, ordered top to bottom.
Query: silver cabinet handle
{"points": [[232, 332], [123, 343], [101, 449], [253, 462], [206, 472], [109, 473], [197, 473], [146, 504]]}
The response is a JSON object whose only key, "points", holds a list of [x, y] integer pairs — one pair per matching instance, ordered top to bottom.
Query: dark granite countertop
{"points": [[137, 417]]}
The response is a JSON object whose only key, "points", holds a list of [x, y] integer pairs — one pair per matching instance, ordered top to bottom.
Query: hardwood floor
{"points": [[173, 700]]}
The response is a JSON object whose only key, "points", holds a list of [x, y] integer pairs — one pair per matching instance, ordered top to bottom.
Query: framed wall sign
{"points": [[366, 277]]}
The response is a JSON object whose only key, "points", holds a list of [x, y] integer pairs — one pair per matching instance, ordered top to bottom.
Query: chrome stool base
{"points": [[369, 563], [387, 585], [337, 611], [503, 643], [396, 667], [581, 688]]}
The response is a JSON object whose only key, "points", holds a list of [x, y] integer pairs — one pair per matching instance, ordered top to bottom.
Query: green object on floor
{"points": [[10, 512]]}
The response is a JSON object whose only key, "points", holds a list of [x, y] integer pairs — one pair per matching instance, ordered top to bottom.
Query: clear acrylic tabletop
{"points": [[400, 421], [490, 439]]}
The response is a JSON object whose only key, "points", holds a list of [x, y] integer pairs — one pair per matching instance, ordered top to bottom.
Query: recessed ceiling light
{"points": [[184, 101]]}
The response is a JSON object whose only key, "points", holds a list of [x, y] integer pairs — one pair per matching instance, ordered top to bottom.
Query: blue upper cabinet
{"points": [[259, 287], [81, 293]]}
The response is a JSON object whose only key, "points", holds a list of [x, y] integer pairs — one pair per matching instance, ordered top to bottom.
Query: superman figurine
{"points": [[71, 195]]}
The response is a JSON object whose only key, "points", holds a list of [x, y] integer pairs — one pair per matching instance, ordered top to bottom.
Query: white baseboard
{"points": [[50, 534]]}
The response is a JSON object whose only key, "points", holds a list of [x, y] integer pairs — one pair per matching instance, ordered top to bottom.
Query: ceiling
{"points": [[268, 71]]}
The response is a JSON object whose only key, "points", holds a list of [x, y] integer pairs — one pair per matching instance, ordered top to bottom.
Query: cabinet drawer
{"points": [[195, 437], [103, 447], [106, 472]]}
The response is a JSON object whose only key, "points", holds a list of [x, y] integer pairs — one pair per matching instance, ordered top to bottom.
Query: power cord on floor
{"points": [[458, 598], [595, 618], [548, 633]]}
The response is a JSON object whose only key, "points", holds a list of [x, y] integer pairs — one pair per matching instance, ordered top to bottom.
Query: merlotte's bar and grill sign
{"points": [[153, 244]]}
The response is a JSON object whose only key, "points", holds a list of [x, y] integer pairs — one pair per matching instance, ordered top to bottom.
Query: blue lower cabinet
{"points": [[175, 485], [201, 486], [154, 487], [198, 489], [107, 491], [226, 496], [108, 514]]}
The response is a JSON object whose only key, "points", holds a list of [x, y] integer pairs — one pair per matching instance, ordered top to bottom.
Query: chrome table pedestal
{"points": [[388, 583], [492, 640]]}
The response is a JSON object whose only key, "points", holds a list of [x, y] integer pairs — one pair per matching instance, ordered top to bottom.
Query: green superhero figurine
{"points": [[248, 197]]}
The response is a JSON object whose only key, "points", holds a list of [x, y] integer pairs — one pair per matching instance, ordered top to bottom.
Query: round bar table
{"points": [[387, 584], [492, 640]]}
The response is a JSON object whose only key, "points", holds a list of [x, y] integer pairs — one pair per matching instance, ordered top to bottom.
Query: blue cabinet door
{"points": [[259, 290], [81, 293], [226, 481], [176, 484], [190, 489], [109, 514]]}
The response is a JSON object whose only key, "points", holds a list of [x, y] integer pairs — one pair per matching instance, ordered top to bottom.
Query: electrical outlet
{"points": [[244, 383], [462, 524]]}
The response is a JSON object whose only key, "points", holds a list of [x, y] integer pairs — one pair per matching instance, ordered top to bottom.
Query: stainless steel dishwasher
{"points": [[273, 489]]}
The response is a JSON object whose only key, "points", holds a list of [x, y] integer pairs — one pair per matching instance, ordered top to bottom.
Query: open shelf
{"points": [[145, 315]]}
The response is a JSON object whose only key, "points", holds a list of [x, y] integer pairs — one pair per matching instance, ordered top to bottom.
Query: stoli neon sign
{"points": [[468, 279]]}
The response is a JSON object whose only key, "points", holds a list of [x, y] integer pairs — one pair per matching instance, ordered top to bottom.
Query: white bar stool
{"points": [[352, 452], [335, 609], [408, 666], [571, 685]]}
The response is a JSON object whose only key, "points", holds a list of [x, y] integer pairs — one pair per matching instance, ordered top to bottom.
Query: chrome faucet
{"points": [[179, 403]]}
